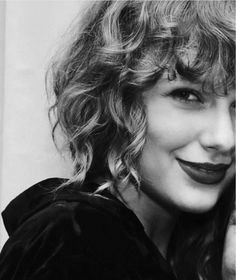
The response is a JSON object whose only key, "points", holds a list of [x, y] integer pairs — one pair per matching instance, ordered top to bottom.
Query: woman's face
{"points": [[188, 157]]}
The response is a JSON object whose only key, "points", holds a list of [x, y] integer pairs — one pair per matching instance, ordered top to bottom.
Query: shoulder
{"points": [[28, 203], [46, 204], [66, 227]]}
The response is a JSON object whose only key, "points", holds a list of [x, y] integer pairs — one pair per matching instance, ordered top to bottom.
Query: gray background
{"points": [[30, 31]]}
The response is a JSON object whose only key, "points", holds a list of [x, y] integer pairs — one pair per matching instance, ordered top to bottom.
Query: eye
{"points": [[186, 95]]}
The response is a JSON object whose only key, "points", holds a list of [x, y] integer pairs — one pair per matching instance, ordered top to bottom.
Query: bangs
{"points": [[196, 39], [207, 51], [212, 64]]}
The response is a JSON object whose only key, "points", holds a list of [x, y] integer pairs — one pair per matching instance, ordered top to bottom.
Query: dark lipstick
{"points": [[204, 173]]}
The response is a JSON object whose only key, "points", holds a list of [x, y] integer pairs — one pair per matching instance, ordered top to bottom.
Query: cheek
{"points": [[167, 128]]}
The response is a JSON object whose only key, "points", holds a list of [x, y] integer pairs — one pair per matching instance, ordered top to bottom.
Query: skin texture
{"points": [[194, 126]]}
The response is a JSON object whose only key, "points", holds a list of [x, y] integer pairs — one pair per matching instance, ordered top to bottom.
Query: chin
{"points": [[198, 198], [198, 205], [199, 209]]}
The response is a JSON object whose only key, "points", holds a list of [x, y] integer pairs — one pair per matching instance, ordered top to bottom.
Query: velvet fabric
{"points": [[76, 235]]}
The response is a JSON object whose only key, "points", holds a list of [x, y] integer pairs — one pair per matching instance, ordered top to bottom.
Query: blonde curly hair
{"points": [[118, 50]]}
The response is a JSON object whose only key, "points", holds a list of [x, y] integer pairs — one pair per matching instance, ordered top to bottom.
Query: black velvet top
{"points": [[75, 235]]}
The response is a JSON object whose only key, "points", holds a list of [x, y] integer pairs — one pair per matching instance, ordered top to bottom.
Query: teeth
{"points": [[208, 170]]}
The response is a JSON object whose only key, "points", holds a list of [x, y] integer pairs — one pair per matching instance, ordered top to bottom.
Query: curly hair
{"points": [[118, 50]]}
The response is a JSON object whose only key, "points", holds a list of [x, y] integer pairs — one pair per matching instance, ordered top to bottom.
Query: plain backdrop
{"points": [[30, 33]]}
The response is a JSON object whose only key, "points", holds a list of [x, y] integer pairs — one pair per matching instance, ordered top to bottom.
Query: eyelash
{"points": [[183, 94]]}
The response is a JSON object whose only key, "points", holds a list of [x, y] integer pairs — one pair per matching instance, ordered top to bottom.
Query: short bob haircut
{"points": [[119, 50]]}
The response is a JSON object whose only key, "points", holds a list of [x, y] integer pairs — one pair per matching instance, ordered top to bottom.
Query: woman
{"points": [[145, 96]]}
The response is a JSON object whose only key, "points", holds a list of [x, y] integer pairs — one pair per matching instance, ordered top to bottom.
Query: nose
{"points": [[219, 133]]}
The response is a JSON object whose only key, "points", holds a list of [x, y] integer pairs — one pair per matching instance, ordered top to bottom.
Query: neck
{"points": [[157, 221]]}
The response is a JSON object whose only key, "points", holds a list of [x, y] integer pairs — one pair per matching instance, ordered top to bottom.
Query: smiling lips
{"points": [[204, 173]]}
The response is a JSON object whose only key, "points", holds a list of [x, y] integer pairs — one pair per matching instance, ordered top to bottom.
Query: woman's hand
{"points": [[229, 254]]}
